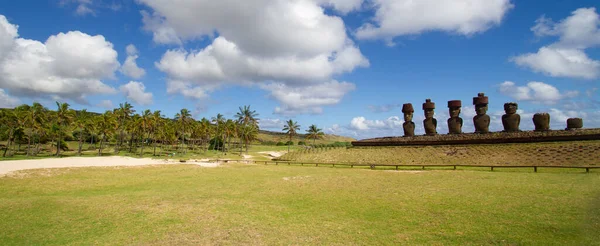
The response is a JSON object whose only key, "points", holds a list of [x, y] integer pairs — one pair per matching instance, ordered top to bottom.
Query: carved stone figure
{"points": [[481, 120], [511, 120], [541, 121], [429, 123], [455, 123], [574, 123], [409, 125]]}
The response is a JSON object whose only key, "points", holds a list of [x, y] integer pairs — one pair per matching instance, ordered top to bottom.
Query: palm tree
{"points": [[123, 114], [64, 116], [247, 116], [183, 117], [9, 119], [82, 119], [37, 120], [218, 120], [146, 122], [157, 123], [106, 125], [290, 129], [206, 130], [230, 131], [248, 133], [314, 133]]}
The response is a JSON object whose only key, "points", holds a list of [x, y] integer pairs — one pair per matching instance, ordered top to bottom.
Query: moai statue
{"points": [[511, 119], [481, 120], [541, 121], [429, 123], [455, 123], [574, 123], [409, 125]]}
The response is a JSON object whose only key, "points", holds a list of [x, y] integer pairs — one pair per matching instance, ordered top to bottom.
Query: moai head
{"points": [[481, 104], [429, 107], [454, 108], [511, 108], [408, 111], [541, 121], [574, 123]]}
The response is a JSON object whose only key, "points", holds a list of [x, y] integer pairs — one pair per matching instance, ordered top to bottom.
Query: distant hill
{"points": [[264, 136]]}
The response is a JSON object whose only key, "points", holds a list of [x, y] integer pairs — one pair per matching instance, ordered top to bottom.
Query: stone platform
{"points": [[489, 138]]}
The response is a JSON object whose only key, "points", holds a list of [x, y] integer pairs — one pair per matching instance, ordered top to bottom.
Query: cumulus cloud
{"points": [[407, 17], [260, 42], [566, 57], [558, 62], [67, 65], [130, 67], [136, 91], [537, 92], [307, 99], [7, 101], [107, 104], [271, 124]]}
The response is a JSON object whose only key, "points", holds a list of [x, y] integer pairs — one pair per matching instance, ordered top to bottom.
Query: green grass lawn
{"points": [[257, 204]]}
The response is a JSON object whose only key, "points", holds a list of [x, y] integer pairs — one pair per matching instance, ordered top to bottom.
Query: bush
{"points": [[216, 143], [269, 143], [289, 143], [301, 143], [280, 144]]}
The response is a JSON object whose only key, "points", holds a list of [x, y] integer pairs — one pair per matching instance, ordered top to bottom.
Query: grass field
{"points": [[577, 153], [257, 204]]}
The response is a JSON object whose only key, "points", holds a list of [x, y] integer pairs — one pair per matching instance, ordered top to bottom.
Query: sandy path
{"points": [[273, 154], [111, 161]]}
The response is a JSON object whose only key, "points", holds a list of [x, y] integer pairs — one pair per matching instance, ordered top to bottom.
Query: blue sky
{"points": [[344, 65]]}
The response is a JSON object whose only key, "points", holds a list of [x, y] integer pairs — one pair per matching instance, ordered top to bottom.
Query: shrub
{"points": [[289, 143], [301, 143], [280, 144]]}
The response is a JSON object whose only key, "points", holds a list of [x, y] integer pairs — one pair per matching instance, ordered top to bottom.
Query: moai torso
{"points": [[511, 120], [430, 126], [409, 129]]}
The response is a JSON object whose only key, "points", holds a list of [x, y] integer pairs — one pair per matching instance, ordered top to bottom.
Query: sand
{"points": [[7, 167]]}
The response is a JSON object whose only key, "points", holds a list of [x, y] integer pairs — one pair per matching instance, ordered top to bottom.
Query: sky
{"points": [[346, 66]]}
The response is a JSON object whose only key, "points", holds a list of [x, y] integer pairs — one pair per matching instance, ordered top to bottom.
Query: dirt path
{"points": [[11, 166]]}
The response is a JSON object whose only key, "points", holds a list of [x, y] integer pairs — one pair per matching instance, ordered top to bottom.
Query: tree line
{"points": [[127, 130]]}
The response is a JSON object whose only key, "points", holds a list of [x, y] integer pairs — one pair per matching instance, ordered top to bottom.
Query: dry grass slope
{"points": [[578, 153]]}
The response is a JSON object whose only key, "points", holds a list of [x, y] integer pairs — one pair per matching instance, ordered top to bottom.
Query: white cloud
{"points": [[85, 7], [407, 17], [260, 42], [566, 57], [555, 62], [68, 65], [130, 67], [136, 91], [537, 92], [307, 99], [7, 101], [107, 104], [361, 123], [271, 124]]}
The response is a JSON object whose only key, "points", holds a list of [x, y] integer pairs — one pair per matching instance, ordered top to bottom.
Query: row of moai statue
{"points": [[510, 120]]}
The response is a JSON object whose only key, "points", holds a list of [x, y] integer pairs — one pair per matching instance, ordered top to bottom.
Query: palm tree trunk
{"points": [[10, 136], [154, 140], [29, 142], [58, 143], [80, 143], [100, 149], [142, 152]]}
